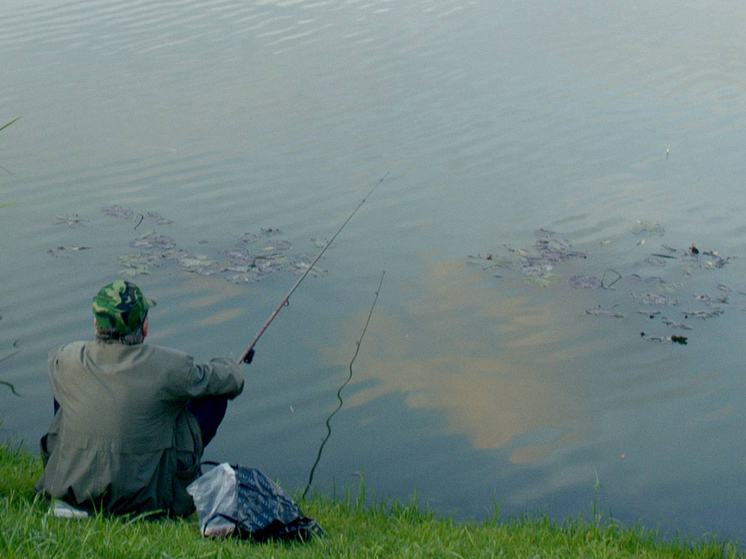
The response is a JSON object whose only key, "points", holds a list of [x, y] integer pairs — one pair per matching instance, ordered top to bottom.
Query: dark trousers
{"points": [[209, 412]]}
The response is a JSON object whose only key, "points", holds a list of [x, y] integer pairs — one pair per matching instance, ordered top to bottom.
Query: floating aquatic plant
{"points": [[116, 210], [137, 217], [159, 219], [69, 220], [648, 227], [249, 238], [161, 242], [278, 245], [64, 251], [553, 253], [138, 264], [200, 264], [535, 270], [585, 282], [656, 299], [598, 311], [704, 315], [679, 325], [682, 340]]}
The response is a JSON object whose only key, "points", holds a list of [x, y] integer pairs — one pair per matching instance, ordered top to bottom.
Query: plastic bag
{"points": [[214, 493], [240, 501]]}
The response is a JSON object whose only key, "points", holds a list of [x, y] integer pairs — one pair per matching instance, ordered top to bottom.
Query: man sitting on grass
{"points": [[131, 419]]}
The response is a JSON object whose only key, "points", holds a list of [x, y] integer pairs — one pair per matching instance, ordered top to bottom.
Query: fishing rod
{"points": [[284, 302]]}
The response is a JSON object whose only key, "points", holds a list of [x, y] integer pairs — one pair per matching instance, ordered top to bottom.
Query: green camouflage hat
{"points": [[120, 306]]}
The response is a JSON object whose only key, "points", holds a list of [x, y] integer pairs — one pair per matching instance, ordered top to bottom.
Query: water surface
{"points": [[493, 119]]}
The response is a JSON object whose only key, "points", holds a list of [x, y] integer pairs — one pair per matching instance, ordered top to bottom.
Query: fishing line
{"points": [[339, 392]]}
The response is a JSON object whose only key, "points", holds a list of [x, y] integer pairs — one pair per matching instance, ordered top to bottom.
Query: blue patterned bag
{"points": [[243, 502]]}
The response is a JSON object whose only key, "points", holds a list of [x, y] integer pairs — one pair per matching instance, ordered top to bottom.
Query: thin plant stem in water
{"points": [[4, 126], [603, 278], [5, 382], [339, 392]]}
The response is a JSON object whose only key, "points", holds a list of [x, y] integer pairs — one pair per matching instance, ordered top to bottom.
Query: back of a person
{"points": [[118, 392], [131, 419]]}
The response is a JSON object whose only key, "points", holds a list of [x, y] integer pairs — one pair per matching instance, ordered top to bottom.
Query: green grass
{"points": [[354, 530]]}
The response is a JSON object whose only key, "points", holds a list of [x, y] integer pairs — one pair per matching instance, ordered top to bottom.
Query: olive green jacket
{"points": [[123, 440]]}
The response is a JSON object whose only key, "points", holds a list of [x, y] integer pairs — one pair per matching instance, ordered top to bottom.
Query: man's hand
{"points": [[249, 357]]}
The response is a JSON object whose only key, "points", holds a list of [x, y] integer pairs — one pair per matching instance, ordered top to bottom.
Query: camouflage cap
{"points": [[121, 306]]}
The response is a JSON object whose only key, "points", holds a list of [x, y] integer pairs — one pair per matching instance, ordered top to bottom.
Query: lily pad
{"points": [[118, 211], [159, 219], [69, 220], [648, 227], [161, 242], [278, 245], [557, 250], [63, 252], [239, 255], [195, 261], [489, 262], [719, 262], [138, 264], [268, 266], [302, 266], [238, 269], [535, 270], [203, 271], [252, 276], [542, 282], [585, 282], [656, 299], [709, 300], [598, 311], [649, 313], [704, 315], [679, 325], [682, 340]]}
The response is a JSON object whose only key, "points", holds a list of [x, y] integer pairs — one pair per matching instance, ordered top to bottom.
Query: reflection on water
{"points": [[493, 119], [489, 361]]}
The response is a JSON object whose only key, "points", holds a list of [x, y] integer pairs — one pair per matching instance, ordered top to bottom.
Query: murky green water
{"points": [[493, 119]]}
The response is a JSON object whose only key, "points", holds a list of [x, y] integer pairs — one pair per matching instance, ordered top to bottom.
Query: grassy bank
{"points": [[353, 530]]}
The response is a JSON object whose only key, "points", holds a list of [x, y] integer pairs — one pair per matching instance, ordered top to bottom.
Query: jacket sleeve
{"points": [[53, 370], [221, 376]]}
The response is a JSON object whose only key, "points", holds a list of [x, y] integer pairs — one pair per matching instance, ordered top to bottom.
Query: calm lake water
{"points": [[617, 125]]}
